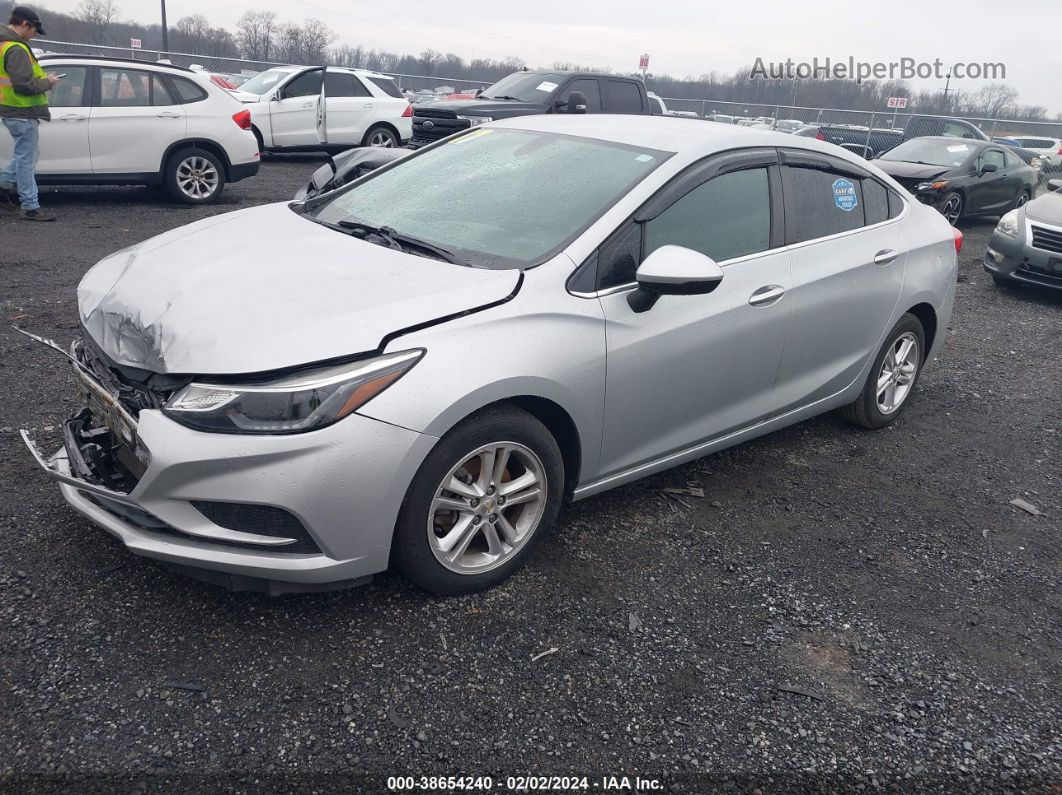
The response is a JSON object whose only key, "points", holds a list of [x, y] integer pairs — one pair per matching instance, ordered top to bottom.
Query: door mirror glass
{"points": [[673, 270]]}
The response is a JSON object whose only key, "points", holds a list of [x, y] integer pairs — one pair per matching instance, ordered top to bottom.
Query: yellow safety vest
{"points": [[8, 95]]}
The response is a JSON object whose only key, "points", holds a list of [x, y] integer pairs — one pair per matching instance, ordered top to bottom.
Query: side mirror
{"points": [[577, 102], [988, 168], [1054, 184], [673, 270]]}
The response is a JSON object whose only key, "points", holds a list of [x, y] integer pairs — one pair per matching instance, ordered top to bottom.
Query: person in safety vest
{"points": [[24, 88]]}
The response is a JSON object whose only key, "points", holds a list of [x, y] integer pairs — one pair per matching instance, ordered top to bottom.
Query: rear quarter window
{"points": [[387, 85], [187, 91]]}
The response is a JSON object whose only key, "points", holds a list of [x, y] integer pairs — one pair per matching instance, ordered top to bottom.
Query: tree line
{"points": [[263, 37]]}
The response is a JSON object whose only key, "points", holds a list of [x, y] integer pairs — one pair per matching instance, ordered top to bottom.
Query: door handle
{"points": [[307, 105], [369, 105], [168, 114], [74, 117], [885, 257], [767, 295]]}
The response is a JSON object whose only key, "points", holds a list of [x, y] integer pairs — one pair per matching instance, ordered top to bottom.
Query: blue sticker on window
{"points": [[844, 194]]}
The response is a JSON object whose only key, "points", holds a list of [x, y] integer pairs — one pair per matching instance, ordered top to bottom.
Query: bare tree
{"points": [[99, 15], [255, 31], [191, 33], [316, 37], [288, 43], [429, 60], [995, 100]]}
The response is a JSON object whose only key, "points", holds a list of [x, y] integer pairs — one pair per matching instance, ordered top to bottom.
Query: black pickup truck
{"points": [[527, 93], [871, 143]]}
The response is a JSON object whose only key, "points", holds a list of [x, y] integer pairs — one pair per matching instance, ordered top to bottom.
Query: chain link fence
{"points": [[426, 85]]}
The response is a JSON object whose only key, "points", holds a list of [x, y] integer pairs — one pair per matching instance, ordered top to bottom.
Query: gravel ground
{"points": [[843, 610]]}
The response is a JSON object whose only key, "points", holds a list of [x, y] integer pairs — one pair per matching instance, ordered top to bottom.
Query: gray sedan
{"points": [[1026, 245], [421, 368]]}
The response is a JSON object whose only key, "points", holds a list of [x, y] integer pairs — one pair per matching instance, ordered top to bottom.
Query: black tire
{"points": [[381, 133], [197, 160], [945, 208], [864, 410], [411, 550]]}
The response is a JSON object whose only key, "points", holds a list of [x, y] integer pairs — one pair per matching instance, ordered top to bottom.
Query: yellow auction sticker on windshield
{"points": [[471, 135]]}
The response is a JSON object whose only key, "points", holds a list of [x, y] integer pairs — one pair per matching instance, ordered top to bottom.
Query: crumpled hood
{"points": [[899, 169], [1048, 208], [263, 289]]}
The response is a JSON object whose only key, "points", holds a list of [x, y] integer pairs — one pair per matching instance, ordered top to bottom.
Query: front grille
{"points": [[430, 124], [1047, 239], [132, 394], [263, 520]]}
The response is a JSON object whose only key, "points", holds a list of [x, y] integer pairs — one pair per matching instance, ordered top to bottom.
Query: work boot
{"points": [[36, 215]]}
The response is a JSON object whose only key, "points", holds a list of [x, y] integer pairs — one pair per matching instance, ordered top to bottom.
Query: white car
{"points": [[361, 108], [122, 122], [1049, 149]]}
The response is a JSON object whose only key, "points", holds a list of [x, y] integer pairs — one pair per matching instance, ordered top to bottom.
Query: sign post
{"points": [[643, 64], [896, 103]]}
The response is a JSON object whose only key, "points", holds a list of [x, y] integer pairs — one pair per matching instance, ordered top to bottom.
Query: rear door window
{"points": [[342, 84], [124, 88], [160, 95], [622, 97], [876, 201], [820, 203]]}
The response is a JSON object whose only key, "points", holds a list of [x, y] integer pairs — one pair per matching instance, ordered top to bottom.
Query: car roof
{"points": [[108, 59], [347, 69], [684, 135]]}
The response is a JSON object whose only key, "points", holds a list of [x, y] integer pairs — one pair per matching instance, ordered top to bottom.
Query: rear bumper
{"points": [[243, 170]]}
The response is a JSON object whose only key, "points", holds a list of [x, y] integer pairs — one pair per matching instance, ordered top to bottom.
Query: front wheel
{"points": [[194, 176], [1022, 200], [951, 207], [893, 376], [484, 496]]}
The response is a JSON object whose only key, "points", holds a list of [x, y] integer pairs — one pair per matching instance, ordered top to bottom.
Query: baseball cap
{"points": [[27, 14]]}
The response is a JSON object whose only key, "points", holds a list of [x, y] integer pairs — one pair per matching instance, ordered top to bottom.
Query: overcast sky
{"points": [[684, 37]]}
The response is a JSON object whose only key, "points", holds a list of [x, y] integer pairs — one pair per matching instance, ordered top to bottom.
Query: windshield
{"points": [[265, 81], [524, 86], [931, 152], [496, 198]]}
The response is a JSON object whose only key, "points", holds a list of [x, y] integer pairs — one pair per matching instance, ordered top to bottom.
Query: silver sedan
{"points": [[420, 368]]}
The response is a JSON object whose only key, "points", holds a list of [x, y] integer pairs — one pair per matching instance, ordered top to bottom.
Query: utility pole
{"points": [[165, 30], [946, 89]]}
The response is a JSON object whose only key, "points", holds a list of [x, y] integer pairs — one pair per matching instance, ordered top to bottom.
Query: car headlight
{"points": [[475, 121], [938, 185], [1008, 224], [290, 404]]}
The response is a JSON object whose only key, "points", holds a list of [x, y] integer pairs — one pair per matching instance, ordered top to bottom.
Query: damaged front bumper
{"points": [[273, 513]]}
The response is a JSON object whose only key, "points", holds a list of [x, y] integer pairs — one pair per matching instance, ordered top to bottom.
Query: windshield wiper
{"points": [[503, 96], [395, 239]]}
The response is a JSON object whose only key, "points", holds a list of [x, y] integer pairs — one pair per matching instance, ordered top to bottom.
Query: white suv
{"points": [[360, 108], [123, 122], [1049, 149]]}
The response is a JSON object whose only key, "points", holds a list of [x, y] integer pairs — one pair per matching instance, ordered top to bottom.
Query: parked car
{"points": [[529, 93], [361, 108], [722, 118], [118, 122], [789, 125], [870, 143], [1049, 149], [347, 167], [961, 178], [1026, 246], [395, 372]]}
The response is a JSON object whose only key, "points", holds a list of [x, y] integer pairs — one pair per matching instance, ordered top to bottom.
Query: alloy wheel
{"points": [[381, 139], [197, 177], [1022, 199], [952, 210], [897, 375], [487, 507]]}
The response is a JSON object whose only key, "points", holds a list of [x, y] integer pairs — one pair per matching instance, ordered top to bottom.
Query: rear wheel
{"points": [[382, 137], [194, 176], [1022, 199], [951, 207], [893, 376], [484, 496]]}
